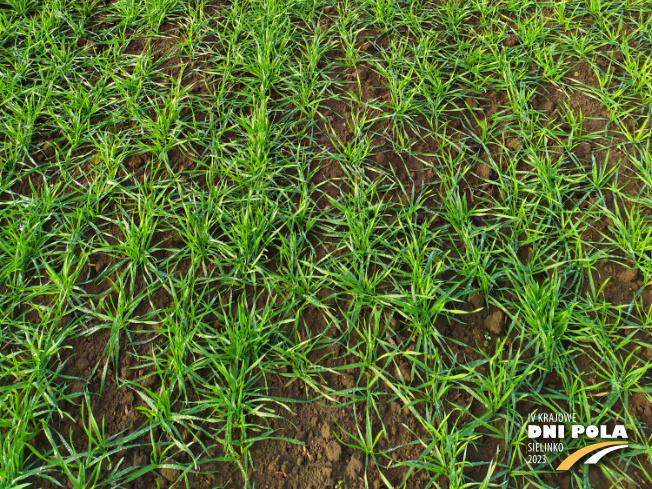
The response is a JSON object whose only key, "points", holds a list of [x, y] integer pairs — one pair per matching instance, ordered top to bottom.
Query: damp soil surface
{"points": [[370, 283]]}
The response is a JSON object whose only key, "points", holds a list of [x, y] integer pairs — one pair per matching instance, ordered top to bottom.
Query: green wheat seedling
{"points": [[346, 24], [196, 29], [553, 62], [638, 67], [400, 72], [305, 80], [19, 126], [164, 128], [354, 152], [252, 204], [137, 226], [633, 233], [544, 314], [117, 315], [180, 326], [234, 357], [503, 379], [28, 393], [159, 411], [364, 439], [444, 452], [87, 468]]}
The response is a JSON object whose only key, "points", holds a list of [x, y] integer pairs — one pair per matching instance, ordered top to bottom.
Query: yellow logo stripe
{"points": [[575, 456]]}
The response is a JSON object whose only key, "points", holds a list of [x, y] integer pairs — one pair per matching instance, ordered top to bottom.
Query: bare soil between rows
{"points": [[318, 459]]}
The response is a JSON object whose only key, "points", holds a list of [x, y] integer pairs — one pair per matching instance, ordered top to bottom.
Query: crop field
{"points": [[316, 244]]}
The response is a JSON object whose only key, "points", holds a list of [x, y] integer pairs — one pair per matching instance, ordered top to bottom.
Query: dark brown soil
{"points": [[319, 456]]}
